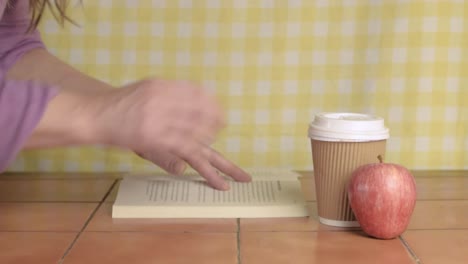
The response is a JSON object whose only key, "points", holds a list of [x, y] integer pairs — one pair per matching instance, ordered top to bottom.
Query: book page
{"points": [[163, 191], [259, 192]]}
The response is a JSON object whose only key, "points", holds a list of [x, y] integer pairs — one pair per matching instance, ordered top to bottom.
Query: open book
{"points": [[270, 194]]}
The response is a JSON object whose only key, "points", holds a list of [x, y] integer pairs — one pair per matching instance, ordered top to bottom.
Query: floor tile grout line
{"points": [[109, 191], [442, 199], [50, 202], [437, 229], [150, 232], [79, 234], [238, 242], [72, 244], [410, 250]]}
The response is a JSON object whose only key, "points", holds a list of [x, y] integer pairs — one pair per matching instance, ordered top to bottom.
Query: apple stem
{"points": [[380, 158]]}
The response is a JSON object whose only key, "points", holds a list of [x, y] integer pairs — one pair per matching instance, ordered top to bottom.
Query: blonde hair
{"points": [[56, 7]]}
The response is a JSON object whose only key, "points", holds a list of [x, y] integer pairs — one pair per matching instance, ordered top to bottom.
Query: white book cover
{"points": [[270, 194]]}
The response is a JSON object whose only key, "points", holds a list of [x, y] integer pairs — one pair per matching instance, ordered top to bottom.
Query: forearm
{"points": [[39, 64], [43, 101], [68, 117], [68, 120]]}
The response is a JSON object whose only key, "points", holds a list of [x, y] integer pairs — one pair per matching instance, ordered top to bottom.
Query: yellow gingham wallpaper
{"points": [[274, 64]]}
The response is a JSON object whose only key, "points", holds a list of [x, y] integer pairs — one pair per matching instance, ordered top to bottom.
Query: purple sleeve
{"points": [[14, 38], [22, 103]]}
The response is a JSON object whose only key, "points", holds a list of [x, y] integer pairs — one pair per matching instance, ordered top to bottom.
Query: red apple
{"points": [[382, 197]]}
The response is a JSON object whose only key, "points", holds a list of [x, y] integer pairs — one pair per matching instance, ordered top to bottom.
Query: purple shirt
{"points": [[22, 103]]}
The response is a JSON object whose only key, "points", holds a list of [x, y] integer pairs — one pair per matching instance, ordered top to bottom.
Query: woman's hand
{"points": [[167, 122], [170, 123], [208, 164]]}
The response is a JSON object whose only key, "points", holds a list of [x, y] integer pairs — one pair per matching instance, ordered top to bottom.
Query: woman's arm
{"points": [[26, 63], [39, 64], [77, 96], [33, 111], [68, 120], [167, 122]]}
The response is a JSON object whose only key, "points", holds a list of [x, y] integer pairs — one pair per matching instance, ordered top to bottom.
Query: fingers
{"points": [[167, 161], [207, 162], [201, 164], [227, 167]]}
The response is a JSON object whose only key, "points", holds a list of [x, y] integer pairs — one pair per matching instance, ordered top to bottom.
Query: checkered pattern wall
{"points": [[274, 64]]}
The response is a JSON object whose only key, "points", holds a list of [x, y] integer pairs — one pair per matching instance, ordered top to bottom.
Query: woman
{"points": [[46, 103]]}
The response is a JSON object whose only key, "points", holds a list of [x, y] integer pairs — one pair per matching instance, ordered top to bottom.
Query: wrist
{"points": [[89, 126]]}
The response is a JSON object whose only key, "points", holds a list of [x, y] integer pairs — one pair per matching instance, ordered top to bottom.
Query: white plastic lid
{"points": [[352, 127]]}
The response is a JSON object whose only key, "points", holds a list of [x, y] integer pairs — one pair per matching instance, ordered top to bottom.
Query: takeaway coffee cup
{"points": [[341, 142]]}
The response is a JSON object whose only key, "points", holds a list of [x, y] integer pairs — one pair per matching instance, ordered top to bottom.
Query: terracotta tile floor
{"points": [[67, 219]]}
